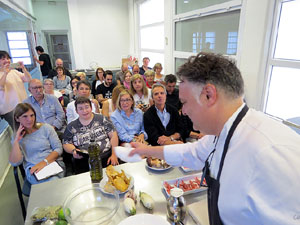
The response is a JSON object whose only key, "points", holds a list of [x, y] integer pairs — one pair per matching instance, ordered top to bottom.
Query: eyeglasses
{"points": [[74, 82], [48, 84], [37, 87], [126, 100]]}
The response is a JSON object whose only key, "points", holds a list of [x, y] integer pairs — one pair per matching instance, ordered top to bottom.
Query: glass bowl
{"points": [[88, 205]]}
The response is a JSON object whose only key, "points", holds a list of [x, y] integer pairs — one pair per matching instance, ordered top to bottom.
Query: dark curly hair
{"points": [[215, 69]]}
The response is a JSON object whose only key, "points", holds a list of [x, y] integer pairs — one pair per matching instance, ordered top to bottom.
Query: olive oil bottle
{"points": [[95, 162]]}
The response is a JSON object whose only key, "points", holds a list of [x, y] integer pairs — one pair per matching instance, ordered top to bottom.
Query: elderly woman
{"points": [[149, 74], [99, 79], [61, 81], [49, 89], [12, 90], [141, 94], [128, 120], [78, 134], [36, 145]]}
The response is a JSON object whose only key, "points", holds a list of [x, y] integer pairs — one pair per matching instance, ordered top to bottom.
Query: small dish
{"points": [[105, 179]]}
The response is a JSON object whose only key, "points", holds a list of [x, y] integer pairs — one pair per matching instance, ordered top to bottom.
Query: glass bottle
{"points": [[95, 163], [176, 206]]}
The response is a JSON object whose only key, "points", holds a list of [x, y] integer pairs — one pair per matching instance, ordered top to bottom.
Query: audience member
{"points": [[44, 61], [59, 62], [145, 66], [135, 69], [149, 74], [82, 75], [120, 75], [158, 76], [99, 79], [127, 79], [61, 82], [73, 87], [12, 89], [49, 89], [83, 90], [104, 91], [172, 91], [140, 92], [110, 105], [47, 107], [128, 120], [162, 122], [78, 134], [189, 134], [36, 145]]}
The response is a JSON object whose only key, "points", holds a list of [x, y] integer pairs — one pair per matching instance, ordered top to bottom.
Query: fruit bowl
{"points": [[89, 205]]}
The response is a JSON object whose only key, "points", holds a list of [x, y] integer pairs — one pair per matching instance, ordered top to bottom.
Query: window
{"points": [[151, 31], [232, 43], [19, 47], [282, 92]]}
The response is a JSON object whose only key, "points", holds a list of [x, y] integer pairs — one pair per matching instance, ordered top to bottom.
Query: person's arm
{"points": [[38, 61], [27, 76], [3, 78], [101, 99], [96, 104], [60, 114], [68, 145], [147, 150], [16, 155], [50, 158], [113, 159]]}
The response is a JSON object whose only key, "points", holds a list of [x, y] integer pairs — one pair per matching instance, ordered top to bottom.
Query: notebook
{"points": [[48, 171]]}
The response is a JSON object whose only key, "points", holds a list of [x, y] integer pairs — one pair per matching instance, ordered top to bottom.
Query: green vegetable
{"points": [[147, 200], [61, 215], [61, 222]]}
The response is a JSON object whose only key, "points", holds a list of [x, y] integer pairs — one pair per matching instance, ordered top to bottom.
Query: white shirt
{"points": [[143, 99], [71, 112], [260, 180]]}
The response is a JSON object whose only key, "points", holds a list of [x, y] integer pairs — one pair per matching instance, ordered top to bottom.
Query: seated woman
{"points": [[149, 74], [82, 75], [158, 76], [127, 78], [99, 79], [61, 81], [73, 87], [49, 89], [141, 94], [109, 106], [128, 120], [78, 134], [36, 145]]}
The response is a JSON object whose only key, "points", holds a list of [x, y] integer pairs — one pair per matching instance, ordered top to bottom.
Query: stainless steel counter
{"points": [[55, 192]]}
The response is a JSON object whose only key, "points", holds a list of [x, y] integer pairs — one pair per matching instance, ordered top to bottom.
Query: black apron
{"points": [[214, 184]]}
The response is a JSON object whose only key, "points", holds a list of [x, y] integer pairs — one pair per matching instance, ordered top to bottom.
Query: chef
{"points": [[250, 161]]}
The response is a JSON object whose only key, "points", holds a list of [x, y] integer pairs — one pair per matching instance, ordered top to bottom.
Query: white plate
{"points": [[123, 152], [186, 169], [105, 179], [185, 179], [145, 219]]}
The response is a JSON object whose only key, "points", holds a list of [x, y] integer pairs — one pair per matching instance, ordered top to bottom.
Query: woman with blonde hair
{"points": [[82, 75], [158, 76], [141, 94], [109, 106], [128, 120], [36, 145]]}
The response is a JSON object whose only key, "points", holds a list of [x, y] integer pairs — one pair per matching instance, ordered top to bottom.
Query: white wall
{"points": [[24, 4], [100, 32], [254, 34]]}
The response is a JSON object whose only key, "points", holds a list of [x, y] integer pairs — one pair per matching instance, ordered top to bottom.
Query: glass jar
{"points": [[176, 205]]}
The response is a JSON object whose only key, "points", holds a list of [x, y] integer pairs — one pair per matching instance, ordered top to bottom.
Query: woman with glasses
{"points": [[99, 80], [49, 89], [12, 90], [128, 120]]}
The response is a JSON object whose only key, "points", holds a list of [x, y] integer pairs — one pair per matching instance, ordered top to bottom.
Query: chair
{"points": [[22, 191]]}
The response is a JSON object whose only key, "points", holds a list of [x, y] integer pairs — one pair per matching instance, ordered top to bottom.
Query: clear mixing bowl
{"points": [[88, 205]]}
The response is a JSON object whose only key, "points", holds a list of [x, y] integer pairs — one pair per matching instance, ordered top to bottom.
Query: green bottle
{"points": [[95, 162]]}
